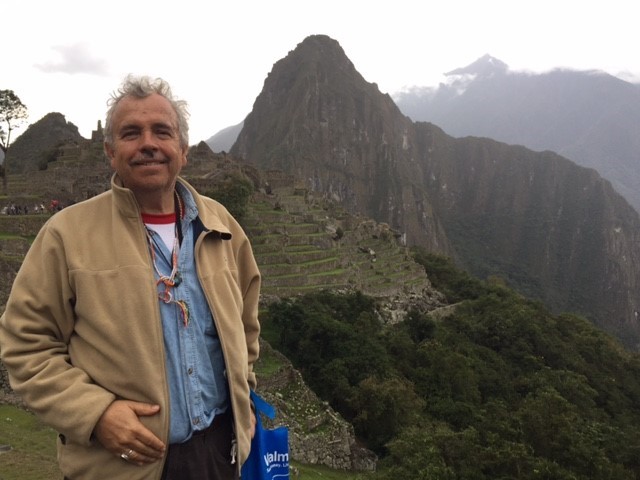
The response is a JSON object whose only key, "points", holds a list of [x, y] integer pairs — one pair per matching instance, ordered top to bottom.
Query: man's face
{"points": [[146, 152]]}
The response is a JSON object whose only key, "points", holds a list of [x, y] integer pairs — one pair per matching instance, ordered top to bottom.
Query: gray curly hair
{"points": [[141, 87]]}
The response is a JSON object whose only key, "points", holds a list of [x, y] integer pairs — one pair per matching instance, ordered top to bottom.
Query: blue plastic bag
{"points": [[269, 456]]}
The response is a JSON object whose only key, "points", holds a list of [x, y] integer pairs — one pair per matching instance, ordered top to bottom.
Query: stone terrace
{"points": [[301, 242]]}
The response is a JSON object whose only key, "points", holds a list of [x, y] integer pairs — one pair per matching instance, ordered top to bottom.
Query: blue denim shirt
{"points": [[195, 366]]}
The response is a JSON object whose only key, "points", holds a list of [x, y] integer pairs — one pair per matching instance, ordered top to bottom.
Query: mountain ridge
{"points": [[588, 116], [319, 119], [550, 228], [507, 389]]}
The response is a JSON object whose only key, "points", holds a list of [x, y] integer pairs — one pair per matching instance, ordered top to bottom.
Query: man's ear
{"points": [[185, 150], [108, 151]]}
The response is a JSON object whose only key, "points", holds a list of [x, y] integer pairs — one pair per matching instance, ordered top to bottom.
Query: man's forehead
{"points": [[153, 108]]}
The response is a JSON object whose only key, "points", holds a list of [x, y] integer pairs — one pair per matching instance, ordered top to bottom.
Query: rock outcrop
{"points": [[553, 230]]}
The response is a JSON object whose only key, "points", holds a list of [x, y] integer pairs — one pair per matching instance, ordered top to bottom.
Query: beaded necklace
{"points": [[174, 278]]}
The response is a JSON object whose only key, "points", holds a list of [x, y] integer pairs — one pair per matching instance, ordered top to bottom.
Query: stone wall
{"points": [[4, 380], [6, 393], [317, 434]]}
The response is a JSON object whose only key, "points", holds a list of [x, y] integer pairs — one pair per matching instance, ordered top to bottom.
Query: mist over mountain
{"points": [[590, 117], [223, 140], [554, 230]]}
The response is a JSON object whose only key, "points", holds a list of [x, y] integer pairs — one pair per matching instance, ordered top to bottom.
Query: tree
{"points": [[12, 113], [234, 193], [384, 408]]}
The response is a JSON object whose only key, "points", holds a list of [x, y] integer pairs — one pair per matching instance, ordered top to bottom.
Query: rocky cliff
{"points": [[589, 116], [319, 120], [32, 150], [554, 230], [301, 243]]}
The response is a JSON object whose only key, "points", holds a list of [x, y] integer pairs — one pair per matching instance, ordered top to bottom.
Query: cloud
{"points": [[74, 59], [627, 76]]}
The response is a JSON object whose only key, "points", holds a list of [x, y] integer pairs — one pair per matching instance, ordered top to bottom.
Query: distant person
{"points": [[132, 327]]}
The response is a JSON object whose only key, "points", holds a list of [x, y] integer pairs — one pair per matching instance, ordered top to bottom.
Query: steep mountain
{"points": [[589, 117], [318, 119], [225, 138], [30, 148], [554, 230]]}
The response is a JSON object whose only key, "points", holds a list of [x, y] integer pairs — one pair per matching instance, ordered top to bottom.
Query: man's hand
{"points": [[120, 431]]}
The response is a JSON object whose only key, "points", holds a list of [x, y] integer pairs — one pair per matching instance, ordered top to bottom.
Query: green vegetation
{"points": [[49, 155], [234, 192], [455, 284], [498, 389], [33, 447], [33, 453], [315, 472]]}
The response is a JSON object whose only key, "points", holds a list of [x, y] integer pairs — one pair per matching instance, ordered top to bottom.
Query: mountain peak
{"points": [[317, 50], [485, 66]]}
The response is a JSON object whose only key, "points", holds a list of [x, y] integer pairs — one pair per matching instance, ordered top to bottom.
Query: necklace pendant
{"points": [[177, 280], [166, 296], [184, 311]]}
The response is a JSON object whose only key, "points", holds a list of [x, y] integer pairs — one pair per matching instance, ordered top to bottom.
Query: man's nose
{"points": [[148, 138], [148, 144]]}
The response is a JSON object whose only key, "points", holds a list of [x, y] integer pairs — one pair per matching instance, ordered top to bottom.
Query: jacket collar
{"points": [[128, 206], [208, 216]]}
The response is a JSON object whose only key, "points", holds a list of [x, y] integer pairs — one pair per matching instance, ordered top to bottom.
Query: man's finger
{"points": [[143, 409]]}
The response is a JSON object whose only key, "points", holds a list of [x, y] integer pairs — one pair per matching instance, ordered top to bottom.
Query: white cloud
{"points": [[216, 55], [74, 59]]}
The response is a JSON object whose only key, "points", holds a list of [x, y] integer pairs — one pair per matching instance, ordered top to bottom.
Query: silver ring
{"points": [[127, 455]]}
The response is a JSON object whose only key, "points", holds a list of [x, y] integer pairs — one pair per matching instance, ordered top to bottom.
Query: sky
{"points": [[67, 56]]}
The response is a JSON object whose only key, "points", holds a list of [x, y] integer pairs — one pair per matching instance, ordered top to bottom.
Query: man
{"points": [[131, 327]]}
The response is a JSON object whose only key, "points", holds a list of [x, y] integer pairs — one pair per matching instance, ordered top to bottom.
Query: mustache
{"points": [[149, 156]]}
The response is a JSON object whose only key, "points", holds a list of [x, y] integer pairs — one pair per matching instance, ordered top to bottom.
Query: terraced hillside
{"points": [[301, 242], [300, 247], [297, 248]]}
